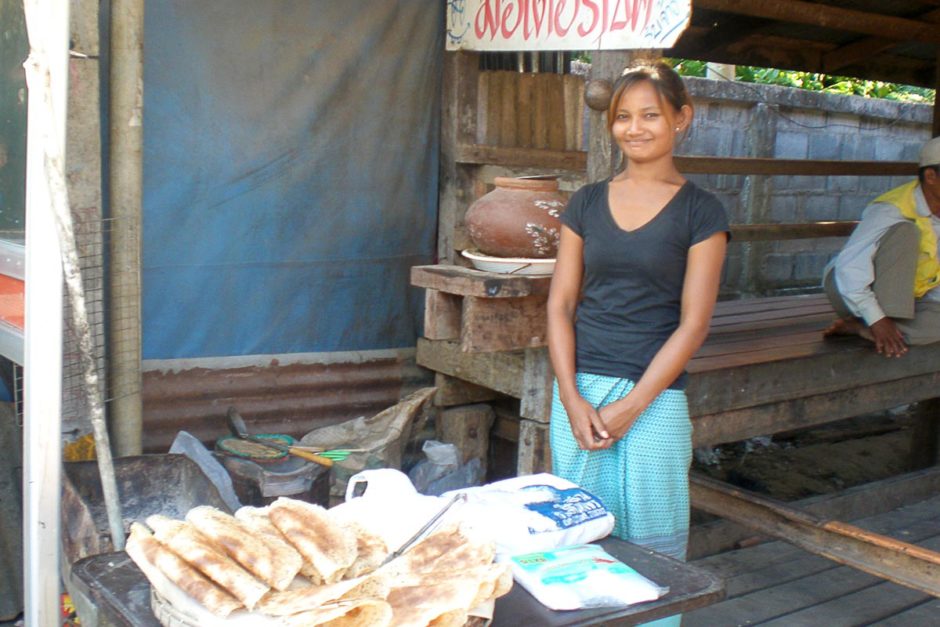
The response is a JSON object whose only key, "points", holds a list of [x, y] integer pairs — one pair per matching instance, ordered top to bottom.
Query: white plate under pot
{"points": [[510, 265]]}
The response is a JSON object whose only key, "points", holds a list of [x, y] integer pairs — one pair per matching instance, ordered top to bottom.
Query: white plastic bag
{"points": [[442, 470], [535, 513], [583, 576]]}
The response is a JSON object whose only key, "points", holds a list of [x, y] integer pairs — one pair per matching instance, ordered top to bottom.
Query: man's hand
{"points": [[888, 339]]}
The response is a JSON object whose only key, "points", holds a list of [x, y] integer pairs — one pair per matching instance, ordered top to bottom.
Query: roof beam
{"points": [[815, 14], [865, 48]]}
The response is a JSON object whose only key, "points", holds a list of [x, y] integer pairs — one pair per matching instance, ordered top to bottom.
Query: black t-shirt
{"points": [[632, 286]]}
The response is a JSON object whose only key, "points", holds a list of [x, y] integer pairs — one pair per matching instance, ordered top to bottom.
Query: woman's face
{"points": [[645, 127]]}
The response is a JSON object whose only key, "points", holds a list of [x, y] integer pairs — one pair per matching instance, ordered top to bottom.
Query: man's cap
{"points": [[930, 153]]}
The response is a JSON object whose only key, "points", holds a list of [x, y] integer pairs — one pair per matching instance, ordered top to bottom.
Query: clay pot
{"points": [[518, 219]]}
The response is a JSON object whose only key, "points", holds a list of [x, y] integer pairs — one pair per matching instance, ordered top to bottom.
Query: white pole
{"points": [[47, 23]]}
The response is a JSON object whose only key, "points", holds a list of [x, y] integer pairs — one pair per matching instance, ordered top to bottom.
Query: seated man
{"points": [[882, 283]]}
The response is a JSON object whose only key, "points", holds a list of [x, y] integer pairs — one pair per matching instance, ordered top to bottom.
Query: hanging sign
{"points": [[565, 24]]}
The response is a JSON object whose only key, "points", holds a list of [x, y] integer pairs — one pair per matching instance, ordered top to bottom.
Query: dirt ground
{"points": [[820, 460]]}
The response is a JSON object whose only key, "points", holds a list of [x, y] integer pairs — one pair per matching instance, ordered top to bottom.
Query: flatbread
{"points": [[256, 519], [324, 543], [241, 544], [446, 550], [371, 551], [209, 559], [156, 560], [311, 597], [359, 613]]}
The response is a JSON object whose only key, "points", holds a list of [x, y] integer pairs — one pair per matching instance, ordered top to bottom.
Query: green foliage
{"points": [[815, 82]]}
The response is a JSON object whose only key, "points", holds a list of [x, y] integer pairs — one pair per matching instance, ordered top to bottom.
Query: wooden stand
{"points": [[485, 334]]}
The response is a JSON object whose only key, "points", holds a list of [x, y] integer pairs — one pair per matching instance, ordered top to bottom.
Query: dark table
{"points": [[113, 585]]}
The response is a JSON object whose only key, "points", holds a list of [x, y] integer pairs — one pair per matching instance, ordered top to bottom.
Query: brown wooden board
{"points": [[523, 109], [471, 282], [441, 315], [500, 324], [500, 371], [452, 391], [719, 426], [468, 428], [535, 453], [867, 499], [802, 585]]}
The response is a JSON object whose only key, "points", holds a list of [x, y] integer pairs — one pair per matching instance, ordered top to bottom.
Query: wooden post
{"points": [[47, 24], [936, 106], [458, 126], [603, 156], [757, 190], [537, 377], [468, 428], [925, 436]]}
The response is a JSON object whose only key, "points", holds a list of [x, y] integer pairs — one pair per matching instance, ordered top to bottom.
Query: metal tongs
{"points": [[423, 531]]}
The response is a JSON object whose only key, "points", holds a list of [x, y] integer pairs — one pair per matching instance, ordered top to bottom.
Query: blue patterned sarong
{"points": [[643, 479]]}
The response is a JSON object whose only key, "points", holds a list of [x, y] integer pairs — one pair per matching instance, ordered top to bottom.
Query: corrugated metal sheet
{"points": [[291, 398]]}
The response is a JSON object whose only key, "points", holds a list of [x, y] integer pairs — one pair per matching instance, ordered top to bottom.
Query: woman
{"points": [[635, 283]]}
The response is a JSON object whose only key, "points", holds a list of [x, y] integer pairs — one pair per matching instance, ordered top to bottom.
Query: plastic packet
{"points": [[580, 577]]}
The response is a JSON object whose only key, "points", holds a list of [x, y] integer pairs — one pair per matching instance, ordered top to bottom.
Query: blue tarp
{"points": [[290, 174]]}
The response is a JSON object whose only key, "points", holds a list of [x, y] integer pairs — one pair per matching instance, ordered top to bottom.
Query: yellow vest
{"points": [[928, 267]]}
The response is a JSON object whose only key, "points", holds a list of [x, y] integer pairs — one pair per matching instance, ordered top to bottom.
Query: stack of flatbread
{"points": [[297, 564]]}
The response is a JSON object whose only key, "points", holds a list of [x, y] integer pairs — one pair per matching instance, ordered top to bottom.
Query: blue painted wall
{"points": [[290, 174]]}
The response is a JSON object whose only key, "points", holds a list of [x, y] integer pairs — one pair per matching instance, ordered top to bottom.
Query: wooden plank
{"points": [[815, 14], [553, 91], [494, 92], [507, 108], [574, 111], [541, 117], [524, 122], [458, 127], [479, 154], [538, 157], [777, 232], [472, 282], [767, 302], [441, 315], [502, 324], [758, 343], [499, 371], [537, 377], [452, 391], [507, 424], [719, 425], [468, 428], [535, 453], [857, 502], [917, 521], [900, 562], [767, 581], [860, 607], [925, 613]]}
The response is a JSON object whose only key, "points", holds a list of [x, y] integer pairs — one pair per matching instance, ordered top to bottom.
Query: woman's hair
{"points": [[661, 76]]}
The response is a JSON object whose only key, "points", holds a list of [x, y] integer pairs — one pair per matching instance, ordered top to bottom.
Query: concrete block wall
{"points": [[747, 120]]}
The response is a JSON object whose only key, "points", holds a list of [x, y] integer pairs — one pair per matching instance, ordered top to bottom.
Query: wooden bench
{"points": [[765, 367]]}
